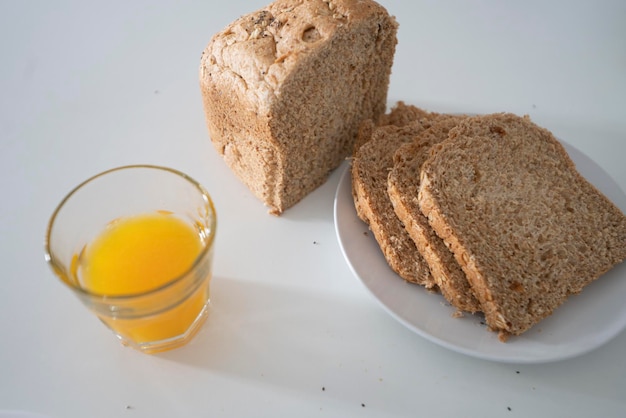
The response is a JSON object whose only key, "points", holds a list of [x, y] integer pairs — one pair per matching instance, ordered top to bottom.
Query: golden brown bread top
{"points": [[257, 52]]}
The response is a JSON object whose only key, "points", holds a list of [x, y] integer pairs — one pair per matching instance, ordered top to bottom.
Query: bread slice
{"points": [[285, 89], [403, 114], [400, 115], [370, 167], [402, 186], [527, 229]]}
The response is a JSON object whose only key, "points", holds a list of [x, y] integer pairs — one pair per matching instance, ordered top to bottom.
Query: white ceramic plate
{"points": [[583, 323]]}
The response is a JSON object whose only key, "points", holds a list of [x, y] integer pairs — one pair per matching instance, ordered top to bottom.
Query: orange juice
{"points": [[148, 253]]}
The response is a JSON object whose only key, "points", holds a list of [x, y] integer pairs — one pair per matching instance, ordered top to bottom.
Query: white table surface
{"points": [[86, 86]]}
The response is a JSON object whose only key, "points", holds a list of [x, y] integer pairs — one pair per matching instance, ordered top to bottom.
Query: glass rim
{"points": [[54, 263]]}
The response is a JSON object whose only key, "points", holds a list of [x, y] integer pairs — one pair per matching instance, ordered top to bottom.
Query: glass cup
{"points": [[153, 320]]}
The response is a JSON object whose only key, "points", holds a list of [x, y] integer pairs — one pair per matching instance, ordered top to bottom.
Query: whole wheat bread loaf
{"points": [[285, 89], [370, 166], [402, 187], [527, 229]]}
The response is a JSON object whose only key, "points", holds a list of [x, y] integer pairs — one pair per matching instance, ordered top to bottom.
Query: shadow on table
{"points": [[281, 334], [305, 341]]}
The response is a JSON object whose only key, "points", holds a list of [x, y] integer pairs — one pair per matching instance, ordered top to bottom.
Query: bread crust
{"points": [[285, 88], [527, 229]]}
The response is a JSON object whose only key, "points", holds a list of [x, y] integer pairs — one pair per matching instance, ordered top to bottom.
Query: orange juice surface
{"points": [[142, 253]]}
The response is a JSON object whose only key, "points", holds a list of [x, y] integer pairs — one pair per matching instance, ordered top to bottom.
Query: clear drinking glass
{"points": [[152, 320]]}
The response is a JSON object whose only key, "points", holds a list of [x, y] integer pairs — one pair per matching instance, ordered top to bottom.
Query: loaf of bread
{"points": [[286, 88], [372, 160], [402, 186], [526, 228]]}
